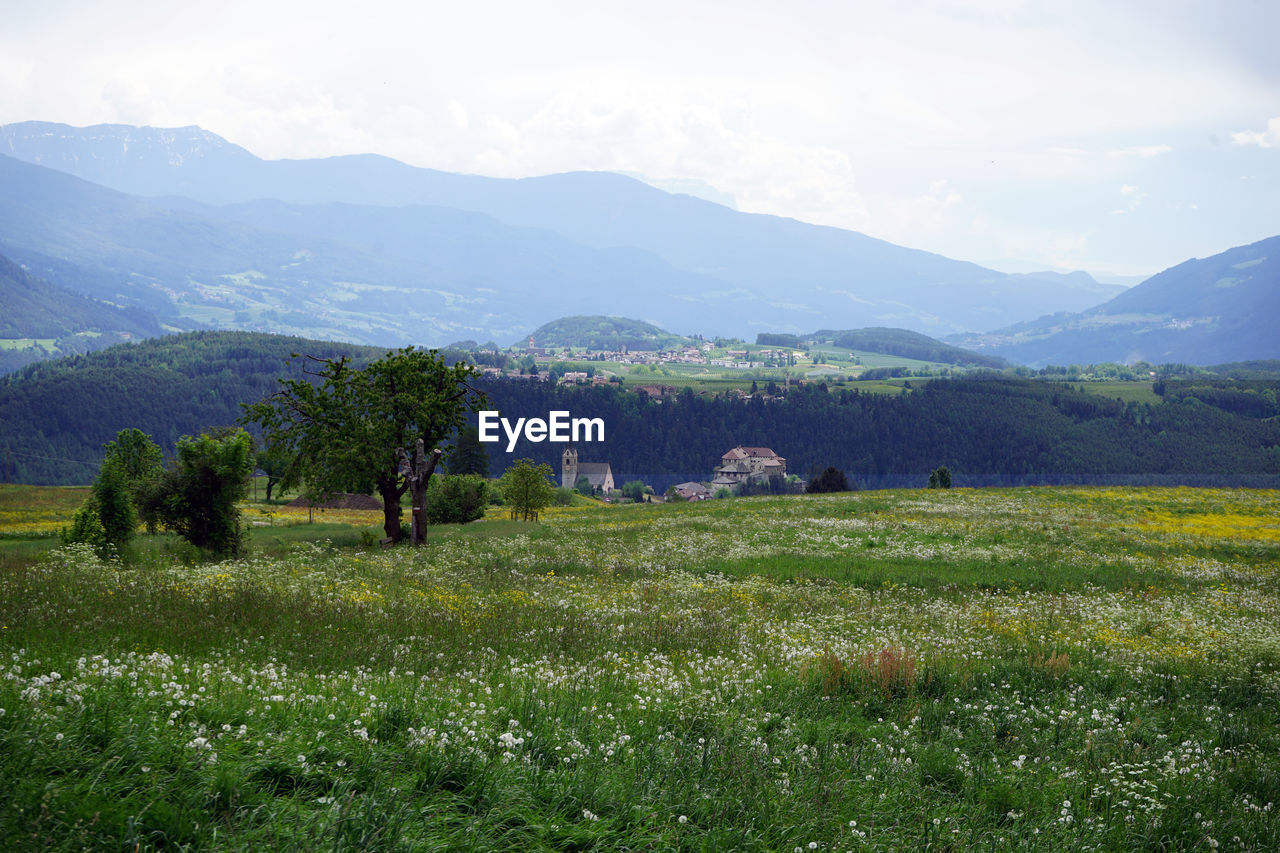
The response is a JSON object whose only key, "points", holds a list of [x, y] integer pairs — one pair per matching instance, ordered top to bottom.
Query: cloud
{"points": [[1035, 112], [677, 132], [1268, 138], [1141, 151], [1134, 197]]}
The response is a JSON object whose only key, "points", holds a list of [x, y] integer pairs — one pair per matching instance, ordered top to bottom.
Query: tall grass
{"points": [[1026, 669]]}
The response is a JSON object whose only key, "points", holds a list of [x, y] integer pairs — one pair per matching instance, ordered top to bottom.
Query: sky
{"points": [[1111, 136]]}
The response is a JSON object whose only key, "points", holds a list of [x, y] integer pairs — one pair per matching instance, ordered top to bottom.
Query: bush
{"points": [[140, 463], [940, 478], [830, 480], [634, 489], [197, 498], [456, 499], [107, 520], [86, 527]]}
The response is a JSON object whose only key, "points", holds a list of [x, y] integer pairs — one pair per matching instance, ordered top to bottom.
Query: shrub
{"points": [[141, 463], [830, 480], [197, 497], [456, 499], [86, 527]]}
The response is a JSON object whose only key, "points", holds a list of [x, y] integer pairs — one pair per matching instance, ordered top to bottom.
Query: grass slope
{"points": [[1034, 669]]}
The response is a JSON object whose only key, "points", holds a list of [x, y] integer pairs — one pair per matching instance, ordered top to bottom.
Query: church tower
{"points": [[569, 467]]}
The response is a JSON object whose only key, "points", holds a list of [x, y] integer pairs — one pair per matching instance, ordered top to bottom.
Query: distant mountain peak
{"points": [[13, 135], [117, 155], [387, 236]]}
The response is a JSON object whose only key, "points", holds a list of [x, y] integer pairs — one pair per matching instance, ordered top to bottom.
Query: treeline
{"points": [[779, 339], [900, 342], [905, 344], [1250, 398], [55, 418], [986, 430]]}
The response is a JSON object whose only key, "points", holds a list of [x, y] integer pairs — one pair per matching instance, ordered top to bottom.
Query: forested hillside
{"points": [[43, 320], [598, 332], [905, 343], [55, 417], [988, 430]]}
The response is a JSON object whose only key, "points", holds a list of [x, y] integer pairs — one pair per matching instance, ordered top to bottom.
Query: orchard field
{"points": [[1038, 669]]}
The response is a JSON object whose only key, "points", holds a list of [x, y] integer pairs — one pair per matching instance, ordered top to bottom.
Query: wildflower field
{"points": [[1039, 669]]}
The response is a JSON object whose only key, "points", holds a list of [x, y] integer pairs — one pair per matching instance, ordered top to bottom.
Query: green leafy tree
{"points": [[352, 427], [139, 457], [140, 461], [940, 478], [584, 487], [526, 489], [633, 489], [197, 496], [114, 503], [108, 518]]}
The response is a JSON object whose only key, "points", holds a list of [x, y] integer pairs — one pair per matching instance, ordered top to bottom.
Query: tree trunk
{"points": [[418, 475], [390, 511]]}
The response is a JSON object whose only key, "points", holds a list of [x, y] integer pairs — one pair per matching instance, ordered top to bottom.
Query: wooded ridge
{"points": [[987, 428]]}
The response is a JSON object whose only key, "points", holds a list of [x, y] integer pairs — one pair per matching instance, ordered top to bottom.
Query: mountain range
{"points": [[200, 233], [373, 250], [1202, 311]]}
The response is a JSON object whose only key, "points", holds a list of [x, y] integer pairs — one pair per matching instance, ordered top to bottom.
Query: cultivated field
{"points": [[1049, 669]]}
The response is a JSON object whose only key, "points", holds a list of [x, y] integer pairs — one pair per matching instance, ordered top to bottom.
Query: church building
{"points": [[598, 474]]}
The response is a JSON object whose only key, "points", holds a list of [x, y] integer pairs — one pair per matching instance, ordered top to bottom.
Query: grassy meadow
{"points": [[1019, 669]]}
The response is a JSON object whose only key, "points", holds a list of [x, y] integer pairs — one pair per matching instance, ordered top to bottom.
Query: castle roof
{"points": [[741, 452]]}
